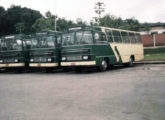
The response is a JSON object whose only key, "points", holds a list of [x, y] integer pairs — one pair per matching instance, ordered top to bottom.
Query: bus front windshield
{"points": [[77, 38], [43, 42], [11, 44]]}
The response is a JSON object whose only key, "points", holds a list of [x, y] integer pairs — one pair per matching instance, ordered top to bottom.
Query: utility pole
{"points": [[55, 19], [55, 24]]}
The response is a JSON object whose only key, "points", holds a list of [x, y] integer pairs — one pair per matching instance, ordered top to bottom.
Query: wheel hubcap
{"points": [[104, 64]]}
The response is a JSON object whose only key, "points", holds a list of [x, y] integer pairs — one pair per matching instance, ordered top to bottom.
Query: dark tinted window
{"points": [[109, 35], [99, 37], [117, 37]]}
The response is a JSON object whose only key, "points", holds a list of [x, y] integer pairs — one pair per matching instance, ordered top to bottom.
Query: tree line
{"points": [[17, 19]]}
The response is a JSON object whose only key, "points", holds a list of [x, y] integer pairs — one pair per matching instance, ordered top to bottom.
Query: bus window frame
{"points": [[108, 35]]}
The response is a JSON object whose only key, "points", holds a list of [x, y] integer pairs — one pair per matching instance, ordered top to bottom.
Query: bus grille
{"points": [[74, 58], [40, 59], [8, 60]]}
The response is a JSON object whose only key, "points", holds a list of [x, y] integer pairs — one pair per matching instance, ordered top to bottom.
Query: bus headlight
{"points": [[85, 57], [63, 58], [49, 59], [16, 60], [31, 60], [1, 61]]}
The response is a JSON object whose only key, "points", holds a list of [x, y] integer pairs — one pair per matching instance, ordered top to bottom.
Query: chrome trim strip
{"points": [[84, 63], [43, 64]]}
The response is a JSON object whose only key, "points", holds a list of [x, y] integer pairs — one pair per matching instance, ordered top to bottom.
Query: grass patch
{"points": [[154, 50], [154, 54], [154, 57]]}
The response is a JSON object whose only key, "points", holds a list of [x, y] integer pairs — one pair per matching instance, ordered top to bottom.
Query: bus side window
{"points": [[109, 35], [100, 37], [117, 37], [125, 37], [132, 38], [138, 38], [58, 39]]}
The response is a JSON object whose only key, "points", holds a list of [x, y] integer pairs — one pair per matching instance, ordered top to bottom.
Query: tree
{"points": [[99, 9], [16, 15], [2, 21], [117, 22], [47, 23], [43, 24], [20, 27]]}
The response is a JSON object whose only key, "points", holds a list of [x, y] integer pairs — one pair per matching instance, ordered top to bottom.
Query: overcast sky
{"points": [[143, 10]]}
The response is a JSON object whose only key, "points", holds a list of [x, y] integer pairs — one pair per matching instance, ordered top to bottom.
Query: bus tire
{"points": [[130, 63], [103, 66], [78, 69], [49, 70]]}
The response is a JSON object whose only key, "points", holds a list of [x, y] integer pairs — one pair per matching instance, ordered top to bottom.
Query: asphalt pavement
{"points": [[136, 93]]}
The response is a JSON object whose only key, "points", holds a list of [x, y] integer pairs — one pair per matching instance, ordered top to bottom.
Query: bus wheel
{"points": [[130, 64], [103, 66], [78, 69], [49, 70]]}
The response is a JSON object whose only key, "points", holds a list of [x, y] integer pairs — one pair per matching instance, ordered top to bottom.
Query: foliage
{"points": [[99, 9], [17, 17], [25, 20], [117, 22], [47, 23], [42, 24], [20, 27], [154, 50], [154, 57]]}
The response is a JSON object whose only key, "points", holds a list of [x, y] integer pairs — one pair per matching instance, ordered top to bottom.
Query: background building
{"points": [[153, 35]]}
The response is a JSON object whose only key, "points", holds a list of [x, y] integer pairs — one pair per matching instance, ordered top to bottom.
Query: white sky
{"points": [[143, 10]]}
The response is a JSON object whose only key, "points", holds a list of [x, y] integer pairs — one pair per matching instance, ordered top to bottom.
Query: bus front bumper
{"points": [[84, 63], [12, 65], [43, 65]]}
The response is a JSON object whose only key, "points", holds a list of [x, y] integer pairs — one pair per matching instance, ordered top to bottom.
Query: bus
{"points": [[87, 46], [45, 50], [14, 52]]}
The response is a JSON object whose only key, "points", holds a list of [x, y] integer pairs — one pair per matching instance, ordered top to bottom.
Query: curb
{"points": [[150, 62]]}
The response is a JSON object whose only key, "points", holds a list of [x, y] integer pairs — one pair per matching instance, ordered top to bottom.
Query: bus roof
{"points": [[97, 28], [115, 29], [48, 33], [13, 36]]}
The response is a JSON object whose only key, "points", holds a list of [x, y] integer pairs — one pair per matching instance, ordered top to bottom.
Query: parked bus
{"points": [[86, 46], [45, 50], [14, 52]]}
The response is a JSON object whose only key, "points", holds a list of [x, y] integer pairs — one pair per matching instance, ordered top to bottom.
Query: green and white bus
{"points": [[85, 46], [45, 50], [14, 52]]}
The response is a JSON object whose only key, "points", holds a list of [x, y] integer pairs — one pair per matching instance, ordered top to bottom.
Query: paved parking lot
{"points": [[136, 93]]}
